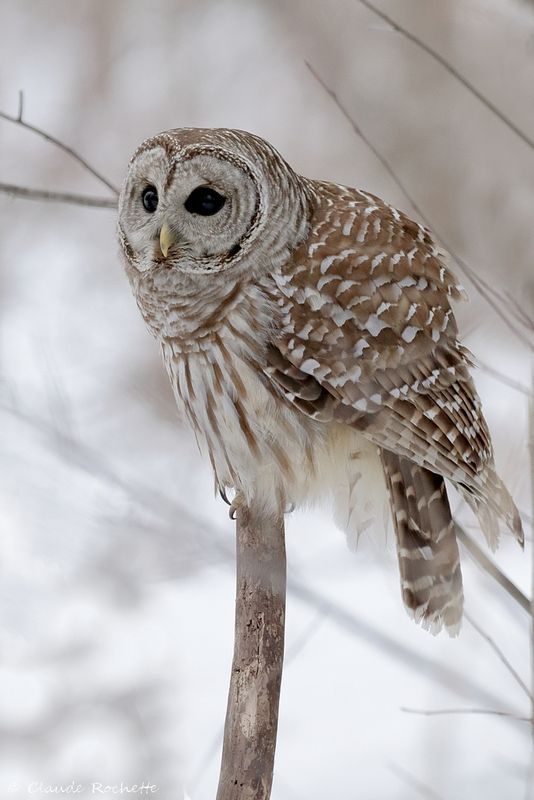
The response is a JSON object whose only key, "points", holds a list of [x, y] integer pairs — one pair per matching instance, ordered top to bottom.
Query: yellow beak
{"points": [[166, 239]]}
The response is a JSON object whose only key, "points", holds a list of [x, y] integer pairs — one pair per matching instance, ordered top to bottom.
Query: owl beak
{"points": [[166, 239]]}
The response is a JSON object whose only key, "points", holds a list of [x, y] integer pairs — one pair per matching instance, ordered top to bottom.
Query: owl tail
{"points": [[429, 561]]}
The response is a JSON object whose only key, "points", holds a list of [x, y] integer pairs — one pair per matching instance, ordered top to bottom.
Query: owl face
{"points": [[205, 200], [193, 205]]}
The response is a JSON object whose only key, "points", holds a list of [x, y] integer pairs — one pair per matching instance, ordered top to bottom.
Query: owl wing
{"points": [[367, 337]]}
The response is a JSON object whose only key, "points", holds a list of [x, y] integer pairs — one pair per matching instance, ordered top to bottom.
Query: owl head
{"points": [[200, 201]]}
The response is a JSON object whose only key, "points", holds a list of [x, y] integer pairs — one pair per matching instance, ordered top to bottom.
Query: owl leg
{"points": [[429, 560]]}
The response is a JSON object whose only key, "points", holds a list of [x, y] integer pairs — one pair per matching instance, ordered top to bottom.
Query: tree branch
{"points": [[451, 70], [18, 120], [57, 197], [483, 288], [528, 321], [499, 376], [205, 537], [492, 569], [497, 650], [435, 712], [252, 713], [530, 779], [414, 783]]}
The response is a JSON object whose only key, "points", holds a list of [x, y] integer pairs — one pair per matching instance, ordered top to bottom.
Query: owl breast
{"points": [[244, 426], [256, 442]]}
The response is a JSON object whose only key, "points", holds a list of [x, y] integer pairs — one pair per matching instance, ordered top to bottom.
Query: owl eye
{"points": [[150, 199], [204, 201]]}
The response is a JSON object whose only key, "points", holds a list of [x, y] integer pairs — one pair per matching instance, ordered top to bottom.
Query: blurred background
{"points": [[117, 583]]}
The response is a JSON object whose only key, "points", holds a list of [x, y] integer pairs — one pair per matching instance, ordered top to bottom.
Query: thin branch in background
{"points": [[451, 70], [21, 106], [18, 120], [358, 131], [57, 197], [492, 297], [504, 297], [512, 304], [528, 321], [519, 387], [56, 398], [206, 537], [492, 569], [305, 636], [391, 648], [497, 650], [437, 712], [530, 779], [414, 783]]}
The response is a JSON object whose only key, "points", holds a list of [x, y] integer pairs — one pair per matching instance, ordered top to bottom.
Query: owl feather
{"points": [[308, 334]]}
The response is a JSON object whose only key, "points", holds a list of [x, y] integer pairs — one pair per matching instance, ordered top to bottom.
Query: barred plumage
{"points": [[307, 331]]}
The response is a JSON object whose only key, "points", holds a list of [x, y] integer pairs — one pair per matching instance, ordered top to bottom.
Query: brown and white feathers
{"points": [[308, 334]]}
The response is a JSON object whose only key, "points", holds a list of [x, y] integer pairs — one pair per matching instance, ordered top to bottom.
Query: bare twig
{"points": [[451, 70], [18, 120], [358, 131], [57, 197], [482, 287], [492, 296], [513, 305], [528, 321], [519, 387], [207, 537], [492, 569], [305, 636], [395, 650], [497, 650], [435, 712], [252, 713], [530, 780], [414, 783]]}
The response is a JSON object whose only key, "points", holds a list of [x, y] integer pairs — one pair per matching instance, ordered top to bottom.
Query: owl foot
{"points": [[223, 495], [237, 503]]}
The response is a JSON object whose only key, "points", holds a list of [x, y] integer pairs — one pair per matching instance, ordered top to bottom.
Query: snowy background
{"points": [[117, 583]]}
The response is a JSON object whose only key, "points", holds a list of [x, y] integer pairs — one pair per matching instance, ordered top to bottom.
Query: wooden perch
{"points": [[252, 712]]}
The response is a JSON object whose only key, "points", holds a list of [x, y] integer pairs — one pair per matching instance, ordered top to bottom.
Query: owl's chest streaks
{"points": [[185, 308], [215, 333], [236, 414]]}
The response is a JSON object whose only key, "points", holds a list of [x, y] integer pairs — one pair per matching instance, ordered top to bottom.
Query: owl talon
{"points": [[224, 496], [235, 505]]}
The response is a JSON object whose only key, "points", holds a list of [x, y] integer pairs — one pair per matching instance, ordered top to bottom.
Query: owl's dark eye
{"points": [[150, 199], [204, 201]]}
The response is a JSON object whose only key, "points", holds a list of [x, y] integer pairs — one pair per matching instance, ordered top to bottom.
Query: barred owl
{"points": [[307, 331]]}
